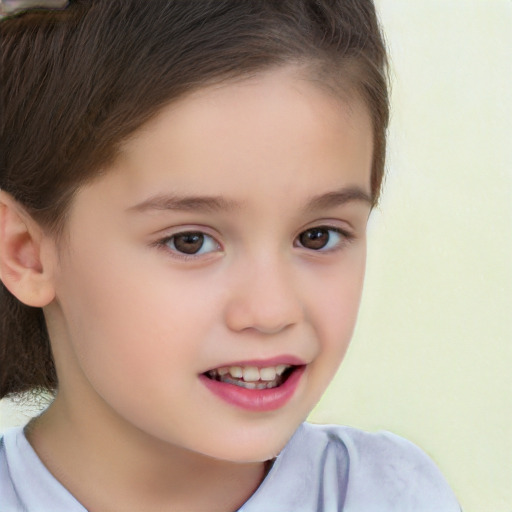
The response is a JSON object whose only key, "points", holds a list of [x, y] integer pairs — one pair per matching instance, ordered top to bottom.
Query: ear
{"points": [[25, 269]]}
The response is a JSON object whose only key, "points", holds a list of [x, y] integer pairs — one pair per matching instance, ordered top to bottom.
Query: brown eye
{"points": [[315, 238], [318, 239], [192, 242]]}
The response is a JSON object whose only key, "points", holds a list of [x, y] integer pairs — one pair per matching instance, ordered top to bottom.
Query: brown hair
{"points": [[77, 82]]}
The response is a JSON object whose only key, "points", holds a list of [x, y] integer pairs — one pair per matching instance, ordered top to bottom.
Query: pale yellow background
{"points": [[432, 356]]}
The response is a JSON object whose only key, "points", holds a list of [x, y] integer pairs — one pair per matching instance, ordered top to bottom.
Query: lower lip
{"points": [[259, 400]]}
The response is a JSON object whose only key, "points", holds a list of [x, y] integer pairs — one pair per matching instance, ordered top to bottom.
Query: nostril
{"points": [[266, 328]]}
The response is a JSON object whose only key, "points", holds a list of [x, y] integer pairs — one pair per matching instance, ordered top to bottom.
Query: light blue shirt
{"points": [[323, 468]]}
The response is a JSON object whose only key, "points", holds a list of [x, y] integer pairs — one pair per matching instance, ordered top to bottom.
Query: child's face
{"points": [[270, 177]]}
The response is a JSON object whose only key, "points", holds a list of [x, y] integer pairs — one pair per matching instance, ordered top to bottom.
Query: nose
{"points": [[264, 298]]}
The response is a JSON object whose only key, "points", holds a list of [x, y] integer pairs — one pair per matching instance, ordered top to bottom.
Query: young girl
{"points": [[185, 186]]}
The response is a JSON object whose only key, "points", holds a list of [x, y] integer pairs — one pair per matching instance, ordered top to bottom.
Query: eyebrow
{"points": [[339, 198], [208, 204], [211, 204]]}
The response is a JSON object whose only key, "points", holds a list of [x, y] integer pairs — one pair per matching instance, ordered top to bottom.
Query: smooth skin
{"points": [[254, 165]]}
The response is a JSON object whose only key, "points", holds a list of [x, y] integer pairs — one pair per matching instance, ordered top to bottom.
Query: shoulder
{"points": [[327, 468], [386, 472], [25, 483], [10, 502]]}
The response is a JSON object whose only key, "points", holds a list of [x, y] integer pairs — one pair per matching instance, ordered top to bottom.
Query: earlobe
{"points": [[23, 269]]}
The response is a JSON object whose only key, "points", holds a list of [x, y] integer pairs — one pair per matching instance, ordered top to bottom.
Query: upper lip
{"points": [[264, 363]]}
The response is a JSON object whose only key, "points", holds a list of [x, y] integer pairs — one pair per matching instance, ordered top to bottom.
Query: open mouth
{"points": [[252, 377]]}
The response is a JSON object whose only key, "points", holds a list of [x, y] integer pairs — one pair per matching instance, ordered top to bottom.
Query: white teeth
{"points": [[280, 368], [236, 371], [251, 374], [267, 374]]}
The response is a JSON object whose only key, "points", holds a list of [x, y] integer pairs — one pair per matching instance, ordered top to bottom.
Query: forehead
{"points": [[270, 136]]}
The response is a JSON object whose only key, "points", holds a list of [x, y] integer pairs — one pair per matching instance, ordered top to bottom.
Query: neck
{"points": [[109, 466]]}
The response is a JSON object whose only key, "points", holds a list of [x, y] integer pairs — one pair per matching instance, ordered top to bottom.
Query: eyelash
{"points": [[345, 238], [165, 242]]}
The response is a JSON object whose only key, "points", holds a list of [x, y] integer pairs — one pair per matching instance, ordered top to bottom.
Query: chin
{"points": [[254, 445], [247, 455]]}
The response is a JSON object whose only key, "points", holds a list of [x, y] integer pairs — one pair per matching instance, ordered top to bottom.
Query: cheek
{"points": [[335, 307], [129, 322], [135, 339]]}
